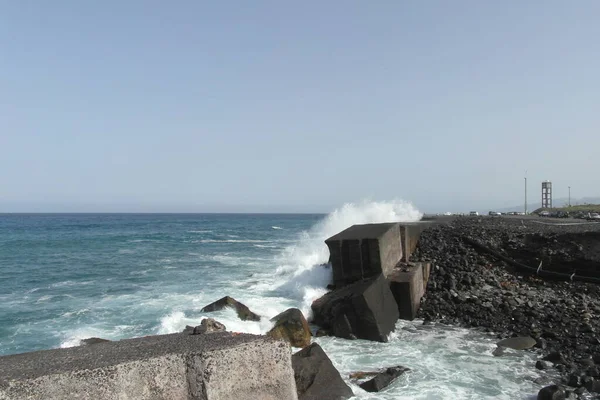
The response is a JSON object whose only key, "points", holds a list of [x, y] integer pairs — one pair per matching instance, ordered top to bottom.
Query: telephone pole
{"points": [[525, 192], [569, 196]]}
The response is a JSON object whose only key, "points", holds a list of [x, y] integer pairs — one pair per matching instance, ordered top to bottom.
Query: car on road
{"points": [[544, 213], [473, 214], [494, 214], [593, 217]]}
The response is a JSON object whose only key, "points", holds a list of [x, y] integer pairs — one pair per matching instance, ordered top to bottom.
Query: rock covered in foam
{"points": [[242, 311], [208, 325], [382, 379]]}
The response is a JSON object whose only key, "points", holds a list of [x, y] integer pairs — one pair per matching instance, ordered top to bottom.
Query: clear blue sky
{"points": [[295, 106]]}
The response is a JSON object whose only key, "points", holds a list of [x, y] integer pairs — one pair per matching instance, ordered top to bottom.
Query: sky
{"points": [[277, 106]]}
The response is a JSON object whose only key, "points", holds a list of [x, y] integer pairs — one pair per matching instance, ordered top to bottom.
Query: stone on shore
{"points": [[363, 310], [243, 312], [208, 325], [292, 327], [93, 340], [518, 343], [316, 377], [383, 379], [552, 392]]}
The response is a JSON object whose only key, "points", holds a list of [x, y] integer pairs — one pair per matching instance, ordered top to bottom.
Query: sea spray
{"points": [[301, 269]]}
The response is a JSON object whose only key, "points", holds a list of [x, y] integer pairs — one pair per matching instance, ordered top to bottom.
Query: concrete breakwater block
{"points": [[410, 232], [363, 251], [406, 284], [363, 310], [218, 366]]}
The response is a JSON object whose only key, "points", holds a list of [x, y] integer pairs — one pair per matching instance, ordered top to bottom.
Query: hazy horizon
{"points": [[146, 106]]}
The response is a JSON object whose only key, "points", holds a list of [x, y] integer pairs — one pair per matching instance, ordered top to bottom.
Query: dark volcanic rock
{"points": [[473, 287], [365, 310], [243, 312], [208, 325], [292, 327], [93, 340], [517, 343], [541, 364], [316, 377], [383, 379], [552, 392]]}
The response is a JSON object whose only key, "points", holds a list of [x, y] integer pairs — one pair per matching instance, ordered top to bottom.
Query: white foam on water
{"points": [[276, 227], [300, 273], [73, 337], [445, 363]]}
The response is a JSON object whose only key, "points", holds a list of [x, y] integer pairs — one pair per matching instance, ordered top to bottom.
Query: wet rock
{"points": [[365, 309], [242, 311], [208, 325], [292, 327], [322, 332], [93, 340], [518, 343], [499, 351], [555, 357], [541, 364], [316, 377], [383, 379], [575, 380], [593, 385], [552, 392]]}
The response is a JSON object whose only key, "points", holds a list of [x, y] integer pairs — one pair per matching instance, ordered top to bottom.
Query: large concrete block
{"points": [[410, 233], [363, 251], [406, 283], [365, 310], [218, 366]]}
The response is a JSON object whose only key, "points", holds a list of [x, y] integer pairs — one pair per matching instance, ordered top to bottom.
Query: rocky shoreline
{"points": [[478, 281]]}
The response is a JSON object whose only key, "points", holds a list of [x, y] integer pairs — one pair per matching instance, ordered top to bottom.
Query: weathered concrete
{"points": [[410, 233], [363, 251], [406, 284], [364, 310], [218, 366]]}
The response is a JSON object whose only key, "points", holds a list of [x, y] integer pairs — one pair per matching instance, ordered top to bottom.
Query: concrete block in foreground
{"points": [[363, 251], [406, 283], [218, 366]]}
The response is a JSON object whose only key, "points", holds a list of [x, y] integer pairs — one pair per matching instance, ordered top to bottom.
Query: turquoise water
{"points": [[116, 276], [64, 278]]}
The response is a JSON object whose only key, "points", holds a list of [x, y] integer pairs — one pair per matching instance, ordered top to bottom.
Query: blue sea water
{"points": [[64, 278]]}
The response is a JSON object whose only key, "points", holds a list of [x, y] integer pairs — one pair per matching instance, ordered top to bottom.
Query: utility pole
{"points": [[525, 192], [569, 196]]}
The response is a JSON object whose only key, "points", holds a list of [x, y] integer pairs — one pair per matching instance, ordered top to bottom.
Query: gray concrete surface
{"points": [[363, 251], [407, 285], [178, 366]]}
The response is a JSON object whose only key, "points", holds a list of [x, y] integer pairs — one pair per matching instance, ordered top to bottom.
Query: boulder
{"points": [[363, 310], [243, 312], [208, 325], [292, 327], [93, 340], [518, 343], [541, 364], [316, 377], [383, 379], [552, 392]]}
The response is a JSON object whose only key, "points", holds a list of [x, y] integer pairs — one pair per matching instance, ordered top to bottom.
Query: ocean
{"points": [[67, 277]]}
